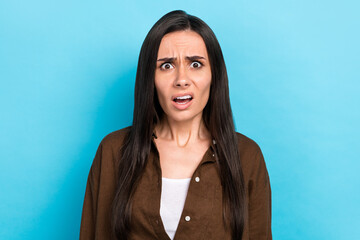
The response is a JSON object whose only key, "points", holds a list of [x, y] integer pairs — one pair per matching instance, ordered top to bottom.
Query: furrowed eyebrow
{"points": [[190, 58], [193, 58], [166, 59]]}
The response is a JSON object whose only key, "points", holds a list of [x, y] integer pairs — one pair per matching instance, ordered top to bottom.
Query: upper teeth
{"points": [[184, 97]]}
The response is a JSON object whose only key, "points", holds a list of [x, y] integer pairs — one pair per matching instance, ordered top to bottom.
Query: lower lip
{"points": [[182, 106]]}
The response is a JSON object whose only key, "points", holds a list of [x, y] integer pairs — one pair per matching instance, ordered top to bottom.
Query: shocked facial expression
{"points": [[182, 75]]}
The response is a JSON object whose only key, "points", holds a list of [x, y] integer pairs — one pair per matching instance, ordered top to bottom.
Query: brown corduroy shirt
{"points": [[202, 214]]}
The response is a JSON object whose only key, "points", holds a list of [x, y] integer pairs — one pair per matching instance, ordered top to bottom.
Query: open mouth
{"points": [[183, 99]]}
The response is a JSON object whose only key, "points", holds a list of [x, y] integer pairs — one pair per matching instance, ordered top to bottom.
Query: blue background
{"points": [[67, 72]]}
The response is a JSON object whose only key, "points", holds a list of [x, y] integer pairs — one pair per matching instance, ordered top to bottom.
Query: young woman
{"points": [[180, 171]]}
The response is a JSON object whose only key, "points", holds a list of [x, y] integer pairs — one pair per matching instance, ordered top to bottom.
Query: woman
{"points": [[180, 171]]}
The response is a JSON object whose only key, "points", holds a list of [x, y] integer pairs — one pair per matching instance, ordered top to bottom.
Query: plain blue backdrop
{"points": [[67, 73]]}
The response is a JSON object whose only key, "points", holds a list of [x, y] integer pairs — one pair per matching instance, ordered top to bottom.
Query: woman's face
{"points": [[182, 75]]}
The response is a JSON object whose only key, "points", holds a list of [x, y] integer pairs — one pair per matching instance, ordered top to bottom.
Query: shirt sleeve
{"points": [[259, 201], [89, 212]]}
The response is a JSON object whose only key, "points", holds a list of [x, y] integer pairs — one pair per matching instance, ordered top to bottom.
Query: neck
{"points": [[182, 132]]}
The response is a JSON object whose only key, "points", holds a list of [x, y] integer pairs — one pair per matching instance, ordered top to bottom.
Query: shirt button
{"points": [[213, 155], [197, 179], [187, 218]]}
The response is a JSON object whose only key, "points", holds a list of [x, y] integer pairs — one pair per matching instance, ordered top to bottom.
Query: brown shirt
{"points": [[202, 214]]}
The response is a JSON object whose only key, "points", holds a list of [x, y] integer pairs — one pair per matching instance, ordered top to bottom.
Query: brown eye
{"points": [[195, 64], [166, 66]]}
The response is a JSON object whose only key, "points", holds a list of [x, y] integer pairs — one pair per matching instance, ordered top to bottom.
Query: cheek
{"points": [[205, 90], [161, 92], [205, 96]]}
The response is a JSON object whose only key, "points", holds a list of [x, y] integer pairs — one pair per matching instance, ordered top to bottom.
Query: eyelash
{"points": [[197, 63], [162, 65]]}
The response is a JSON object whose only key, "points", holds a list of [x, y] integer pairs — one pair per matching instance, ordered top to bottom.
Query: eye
{"points": [[195, 64], [166, 66]]}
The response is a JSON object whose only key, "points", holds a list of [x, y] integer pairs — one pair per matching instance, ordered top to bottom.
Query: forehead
{"points": [[186, 42]]}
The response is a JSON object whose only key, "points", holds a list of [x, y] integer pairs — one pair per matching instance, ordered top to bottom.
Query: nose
{"points": [[182, 80]]}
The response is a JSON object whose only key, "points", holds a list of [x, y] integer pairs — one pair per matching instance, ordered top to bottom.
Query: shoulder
{"points": [[115, 140], [110, 145], [247, 145], [107, 152], [252, 159]]}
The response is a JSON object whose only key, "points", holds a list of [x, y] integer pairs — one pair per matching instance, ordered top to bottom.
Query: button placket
{"points": [[194, 214]]}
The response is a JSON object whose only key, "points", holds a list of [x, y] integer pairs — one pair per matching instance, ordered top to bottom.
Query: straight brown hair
{"points": [[217, 116]]}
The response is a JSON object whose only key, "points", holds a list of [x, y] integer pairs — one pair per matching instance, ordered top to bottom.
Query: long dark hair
{"points": [[217, 116]]}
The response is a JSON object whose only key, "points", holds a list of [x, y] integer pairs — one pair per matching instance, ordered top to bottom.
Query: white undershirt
{"points": [[173, 195]]}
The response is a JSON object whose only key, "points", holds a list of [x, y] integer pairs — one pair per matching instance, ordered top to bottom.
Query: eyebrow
{"points": [[190, 58]]}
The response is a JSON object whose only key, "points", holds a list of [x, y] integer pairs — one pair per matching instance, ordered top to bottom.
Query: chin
{"points": [[183, 116]]}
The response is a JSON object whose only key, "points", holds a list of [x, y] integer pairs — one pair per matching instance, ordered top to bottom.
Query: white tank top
{"points": [[173, 195]]}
